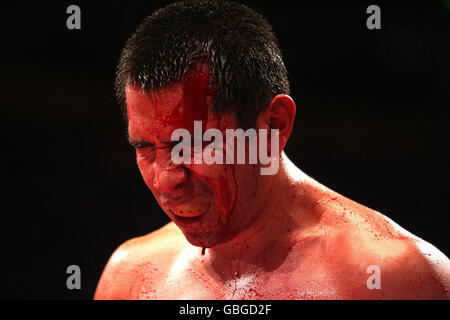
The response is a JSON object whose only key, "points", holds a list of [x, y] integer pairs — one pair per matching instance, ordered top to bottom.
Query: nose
{"points": [[169, 178]]}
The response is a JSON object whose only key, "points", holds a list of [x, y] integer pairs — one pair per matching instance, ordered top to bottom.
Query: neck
{"points": [[265, 244]]}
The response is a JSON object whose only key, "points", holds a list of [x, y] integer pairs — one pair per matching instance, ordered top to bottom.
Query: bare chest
{"points": [[277, 285]]}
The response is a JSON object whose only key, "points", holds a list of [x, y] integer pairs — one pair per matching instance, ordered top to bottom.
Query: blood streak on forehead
{"points": [[175, 106]]}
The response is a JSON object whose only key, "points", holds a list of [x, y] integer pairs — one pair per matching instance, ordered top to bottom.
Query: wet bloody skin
{"points": [[152, 117], [268, 237]]}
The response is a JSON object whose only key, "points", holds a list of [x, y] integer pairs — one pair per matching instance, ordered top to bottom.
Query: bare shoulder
{"points": [[139, 259], [408, 267]]}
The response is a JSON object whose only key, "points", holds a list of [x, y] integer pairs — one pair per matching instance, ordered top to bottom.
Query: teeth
{"points": [[194, 208]]}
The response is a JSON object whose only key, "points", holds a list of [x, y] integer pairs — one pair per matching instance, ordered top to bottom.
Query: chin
{"points": [[202, 239], [206, 239]]}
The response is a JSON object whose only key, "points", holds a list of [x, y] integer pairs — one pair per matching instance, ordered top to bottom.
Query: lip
{"points": [[168, 203], [187, 207], [186, 222]]}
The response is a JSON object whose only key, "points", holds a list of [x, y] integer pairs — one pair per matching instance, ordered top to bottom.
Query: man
{"points": [[237, 233]]}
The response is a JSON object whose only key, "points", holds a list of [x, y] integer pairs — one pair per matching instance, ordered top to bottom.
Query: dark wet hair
{"points": [[238, 45]]}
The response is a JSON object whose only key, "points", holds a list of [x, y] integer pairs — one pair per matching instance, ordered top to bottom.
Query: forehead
{"points": [[171, 107]]}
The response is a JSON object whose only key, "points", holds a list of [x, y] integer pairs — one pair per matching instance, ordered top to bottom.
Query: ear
{"points": [[279, 114]]}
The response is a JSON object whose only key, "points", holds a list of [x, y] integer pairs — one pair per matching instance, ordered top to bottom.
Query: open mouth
{"points": [[194, 208], [186, 215]]}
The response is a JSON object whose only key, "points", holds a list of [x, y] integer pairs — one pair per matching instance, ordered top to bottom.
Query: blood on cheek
{"points": [[146, 167]]}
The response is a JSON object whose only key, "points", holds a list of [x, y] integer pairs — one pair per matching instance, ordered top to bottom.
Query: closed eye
{"points": [[140, 144]]}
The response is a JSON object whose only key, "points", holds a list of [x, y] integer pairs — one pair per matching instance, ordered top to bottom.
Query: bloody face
{"points": [[210, 203]]}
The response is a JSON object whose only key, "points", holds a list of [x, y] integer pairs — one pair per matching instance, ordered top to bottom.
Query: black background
{"points": [[371, 124]]}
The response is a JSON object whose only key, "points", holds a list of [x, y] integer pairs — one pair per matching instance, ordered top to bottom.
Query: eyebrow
{"points": [[139, 143]]}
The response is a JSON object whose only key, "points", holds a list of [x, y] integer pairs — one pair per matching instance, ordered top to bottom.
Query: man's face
{"points": [[210, 203]]}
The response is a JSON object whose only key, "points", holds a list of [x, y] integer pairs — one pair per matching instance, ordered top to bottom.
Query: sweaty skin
{"points": [[284, 236]]}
